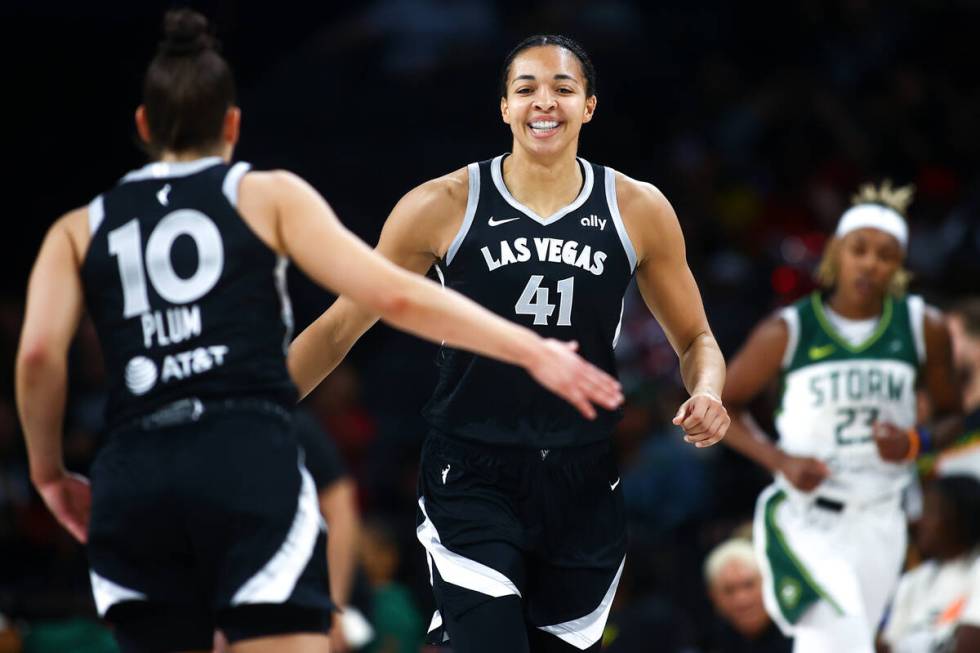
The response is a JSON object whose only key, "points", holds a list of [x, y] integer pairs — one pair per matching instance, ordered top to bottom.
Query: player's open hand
{"points": [[568, 375], [703, 418], [892, 442], [802, 472], [69, 497]]}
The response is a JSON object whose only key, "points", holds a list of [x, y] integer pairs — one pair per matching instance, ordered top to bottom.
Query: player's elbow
{"points": [[393, 303], [34, 355]]}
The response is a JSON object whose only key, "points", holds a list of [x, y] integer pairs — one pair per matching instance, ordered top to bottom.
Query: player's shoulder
{"points": [[449, 190], [640, 197], [74, 229]]}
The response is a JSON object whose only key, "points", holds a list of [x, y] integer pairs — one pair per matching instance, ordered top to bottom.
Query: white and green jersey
{"points": [[834, 390]]}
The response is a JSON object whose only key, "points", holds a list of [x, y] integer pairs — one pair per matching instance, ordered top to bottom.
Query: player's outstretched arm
{"points": [[414, 236], [314, 238], [669, 290], [54, 308], [750, 371]]}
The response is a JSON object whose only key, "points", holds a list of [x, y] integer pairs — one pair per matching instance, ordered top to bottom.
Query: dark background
{"points": [[757, 120]]}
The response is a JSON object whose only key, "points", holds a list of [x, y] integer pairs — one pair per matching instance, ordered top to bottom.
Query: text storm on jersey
{"points": [[547, 250]]}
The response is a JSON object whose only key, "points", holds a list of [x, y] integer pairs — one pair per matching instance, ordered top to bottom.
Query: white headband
{"points": [[875, 216]]}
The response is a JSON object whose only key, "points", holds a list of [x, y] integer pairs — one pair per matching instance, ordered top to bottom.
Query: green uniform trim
{"points": [[883, 324], [794, 587]]}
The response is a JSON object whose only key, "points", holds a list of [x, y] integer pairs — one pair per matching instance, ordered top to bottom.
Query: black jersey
{"points": [[563, 276], [186, 299]]}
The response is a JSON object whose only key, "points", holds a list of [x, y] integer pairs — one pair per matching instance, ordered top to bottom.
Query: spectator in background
{"points": [[964, 325], [734, 584], [937, 606], [397, 624]]}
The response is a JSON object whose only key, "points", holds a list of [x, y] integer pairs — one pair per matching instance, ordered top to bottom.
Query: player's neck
{"points": [[170, 156], [545, 186], [853, 309]]}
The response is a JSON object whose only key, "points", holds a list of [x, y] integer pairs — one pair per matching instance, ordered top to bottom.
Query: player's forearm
{"points": [[447, 316], [319, 348], [703, 366], [41, 391], [745, 437], [342, 520]]}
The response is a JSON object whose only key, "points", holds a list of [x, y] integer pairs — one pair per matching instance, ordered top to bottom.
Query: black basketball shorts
{"points": [[204, 517], [547, 526]]}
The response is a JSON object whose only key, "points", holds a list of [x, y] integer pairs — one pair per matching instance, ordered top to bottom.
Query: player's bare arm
{"points": [[417, 233], [311, 235], [671, 293], [54, 308], [752, 369], [939, 381]]}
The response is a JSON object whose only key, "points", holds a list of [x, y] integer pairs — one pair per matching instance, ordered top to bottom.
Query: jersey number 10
{"points": [[125, 244]]}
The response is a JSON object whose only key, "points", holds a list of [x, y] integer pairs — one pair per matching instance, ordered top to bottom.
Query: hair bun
{"points": [[185, 32]]}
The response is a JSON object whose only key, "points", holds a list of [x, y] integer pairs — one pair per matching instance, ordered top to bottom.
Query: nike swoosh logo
{"points": [[494, 223], [816, 353], [612, 486]]}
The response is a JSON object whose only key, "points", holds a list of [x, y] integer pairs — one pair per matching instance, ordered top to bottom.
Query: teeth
{"points": [[544, 124]]}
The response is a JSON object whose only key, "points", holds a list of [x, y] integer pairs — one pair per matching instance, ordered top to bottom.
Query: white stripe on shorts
{"points": [[460, 571], [274, 583], [108, 593], [586, 631]]}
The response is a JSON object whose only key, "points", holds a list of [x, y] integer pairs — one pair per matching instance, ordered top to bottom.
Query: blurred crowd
{"points": [[756, 123]]}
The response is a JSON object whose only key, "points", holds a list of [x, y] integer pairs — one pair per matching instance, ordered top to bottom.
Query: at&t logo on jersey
{"points": [[141, 372]]}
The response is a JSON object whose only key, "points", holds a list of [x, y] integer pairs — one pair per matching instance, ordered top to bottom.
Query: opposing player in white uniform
{"points": [[830, 531]]}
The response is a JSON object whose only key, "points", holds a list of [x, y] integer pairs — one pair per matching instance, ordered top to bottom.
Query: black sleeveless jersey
{"points": [[563, 276], [186, 299]]}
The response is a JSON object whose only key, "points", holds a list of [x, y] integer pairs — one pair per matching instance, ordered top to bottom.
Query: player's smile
{"points": [[544, 127]]}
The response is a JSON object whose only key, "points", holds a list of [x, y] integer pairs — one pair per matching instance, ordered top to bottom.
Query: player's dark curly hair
{"points": [[573, 46], [188, 86]]}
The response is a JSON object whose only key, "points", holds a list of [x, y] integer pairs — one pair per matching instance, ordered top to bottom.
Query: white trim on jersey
{"points": [[167, 169], [498, 180], [232, 181], [472, 199], [96, 214], [617, 218], [286, 312], [917, 316], [791, 317], [619, 325], [458, 570], [274, 583], [107, 593], [586, 631]]}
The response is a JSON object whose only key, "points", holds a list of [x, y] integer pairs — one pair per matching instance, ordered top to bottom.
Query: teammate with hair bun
{"points": [[520, 506], [201, 513], [830, 531]]}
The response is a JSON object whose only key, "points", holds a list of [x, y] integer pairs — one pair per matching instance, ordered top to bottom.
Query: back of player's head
{"points": [[539, 40], [188, 86]]}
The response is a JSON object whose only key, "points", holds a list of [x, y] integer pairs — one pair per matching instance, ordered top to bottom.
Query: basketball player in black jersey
{"points": [[520, 509], [201, 512]]}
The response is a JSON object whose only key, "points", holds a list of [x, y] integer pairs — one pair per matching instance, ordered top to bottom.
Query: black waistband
{"points": [[191, 409], [513, 453]]}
